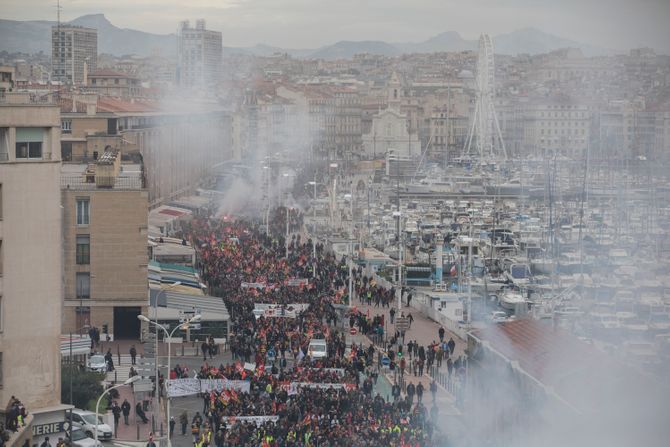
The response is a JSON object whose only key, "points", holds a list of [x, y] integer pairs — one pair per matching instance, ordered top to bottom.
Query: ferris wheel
{"points": [[485, 127]]}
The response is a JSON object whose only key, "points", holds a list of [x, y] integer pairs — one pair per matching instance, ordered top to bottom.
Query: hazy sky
{"points": [[619, 24]]}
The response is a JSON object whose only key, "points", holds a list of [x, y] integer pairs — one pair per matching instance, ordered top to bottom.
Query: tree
{"points": [[86, 386]]}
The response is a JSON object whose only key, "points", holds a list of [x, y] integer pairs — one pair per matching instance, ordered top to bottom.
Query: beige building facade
{"points": [[105, 209], [30, 252]]}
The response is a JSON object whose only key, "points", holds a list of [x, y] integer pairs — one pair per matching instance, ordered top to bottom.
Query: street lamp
{"points": [[314, 183], [350, 197], [267, 213], [397, 214], [162, 291], [169, 335], [71, 372], [97, 405]]}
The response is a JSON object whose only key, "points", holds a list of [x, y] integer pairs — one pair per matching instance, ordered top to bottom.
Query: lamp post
{"points": [[314, 183], [267, 194], [397, 215], [351, 249], [162, 291], [169, 335], [71, 372], [97, 405]]}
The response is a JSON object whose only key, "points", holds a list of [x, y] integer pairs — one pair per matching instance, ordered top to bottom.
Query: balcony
{"points": [[26, 98], [91, 182], [23, 434]]}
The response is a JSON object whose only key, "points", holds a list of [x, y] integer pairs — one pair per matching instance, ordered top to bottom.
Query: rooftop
{"points": [[82, 177]]}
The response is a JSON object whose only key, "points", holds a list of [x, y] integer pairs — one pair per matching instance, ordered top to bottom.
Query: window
{"points": [[66, 126], [29, 142], [4, 144], [66, 151], [83, 216], [83, 249], [83, 285], [0, 369]]}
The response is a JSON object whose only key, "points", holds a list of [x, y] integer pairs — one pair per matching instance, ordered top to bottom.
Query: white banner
{"points": [[297, 282], [252, 285], [279, 310], [339, 371], [209, 385], [336, 386], [183, 387], [189, 387], [294, 387], [258, 420]]}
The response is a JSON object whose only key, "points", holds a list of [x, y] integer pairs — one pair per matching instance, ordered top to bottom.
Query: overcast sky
{"points": [[618, 24]]}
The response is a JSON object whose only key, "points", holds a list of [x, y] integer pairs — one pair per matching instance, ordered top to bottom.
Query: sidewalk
{"points": [[424, 331], [135, 430]]}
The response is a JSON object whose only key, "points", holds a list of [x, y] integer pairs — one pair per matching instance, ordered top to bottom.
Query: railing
{"points": [[23, 98], [89, 182]]}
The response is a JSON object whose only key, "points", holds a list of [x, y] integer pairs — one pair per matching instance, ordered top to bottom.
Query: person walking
{"points": [[392, 314], [440, 332], [452, 345], [205, 350], [133, 355], [110, 360], [433, 389], [410, 392], [419, 392], [125, 409], [116, 411], [183, 420], [172, 424], [46, 442], [151, 442]]}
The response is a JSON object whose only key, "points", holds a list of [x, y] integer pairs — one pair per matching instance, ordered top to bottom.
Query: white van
{"points": [[318, 349]]}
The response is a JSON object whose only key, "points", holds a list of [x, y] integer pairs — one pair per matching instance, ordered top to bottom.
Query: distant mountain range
{"points": [[35, 36]]}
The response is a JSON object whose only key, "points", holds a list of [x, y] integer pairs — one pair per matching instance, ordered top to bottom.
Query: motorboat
{"points": [[510, 298]]}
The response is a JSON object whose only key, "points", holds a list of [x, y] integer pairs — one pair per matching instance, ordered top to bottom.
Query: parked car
{"points": [[97, 363], [85, 420], [79, 439]]}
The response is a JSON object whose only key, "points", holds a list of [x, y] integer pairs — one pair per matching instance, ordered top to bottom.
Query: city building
{"points": [[74, 52], [200, 56], [7, 79], [112, 83], [557, 127], [390, 132], [179, 143], [105, 208], [30, 258], [523, 376]]}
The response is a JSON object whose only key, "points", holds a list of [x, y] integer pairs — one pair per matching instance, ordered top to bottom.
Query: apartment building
{"points": [[74, 52], [200, 55], [7, 79], [112, 83], [558, 127], [180, 143], [105, 209], [30, 256]]}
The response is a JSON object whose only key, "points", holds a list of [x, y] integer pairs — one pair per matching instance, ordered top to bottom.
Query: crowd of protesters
{"points": [[325, 401]]}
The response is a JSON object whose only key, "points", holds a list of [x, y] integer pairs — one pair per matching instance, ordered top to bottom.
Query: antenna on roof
{"points": [[58, 8]]}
